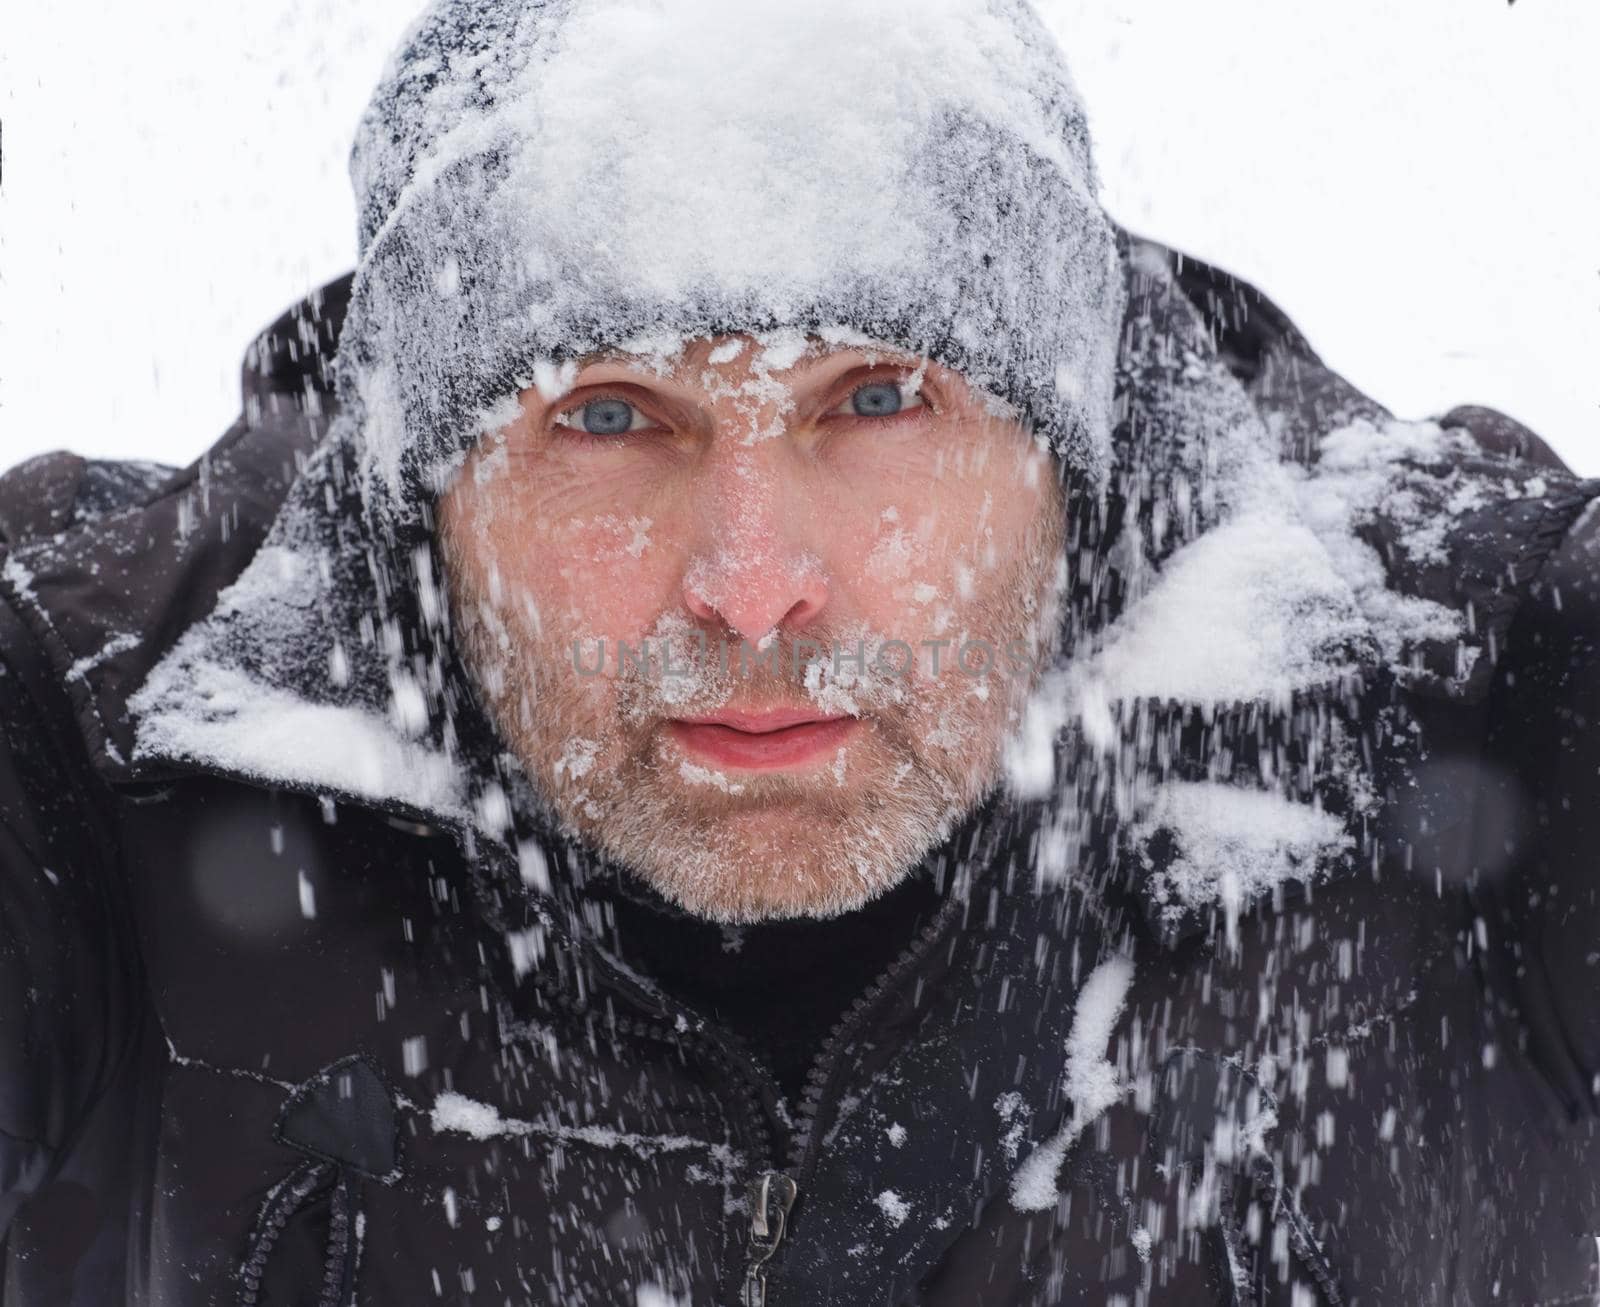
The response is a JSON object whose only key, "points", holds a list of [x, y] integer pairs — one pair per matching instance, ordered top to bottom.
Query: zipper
{"points": [[960, 897], [653, 1024], [825, 1067], [820, 1080], [773, 1192], [771, 1196], [767, 1227]]}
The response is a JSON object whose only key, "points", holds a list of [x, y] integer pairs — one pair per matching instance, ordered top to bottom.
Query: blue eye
{"points": [[878, 399], [882, 399], [606, 417]]}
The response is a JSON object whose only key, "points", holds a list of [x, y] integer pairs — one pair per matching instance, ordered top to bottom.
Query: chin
{"points": [[750, 846], [774, 862], [750, 899]]}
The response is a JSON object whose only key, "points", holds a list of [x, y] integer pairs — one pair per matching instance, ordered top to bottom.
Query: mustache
{"points": [[684, 668]]}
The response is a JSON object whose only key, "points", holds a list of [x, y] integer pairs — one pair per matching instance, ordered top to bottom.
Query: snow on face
{"points": [[752, 550]]}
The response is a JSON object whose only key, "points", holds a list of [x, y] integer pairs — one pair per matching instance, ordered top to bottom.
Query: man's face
{"points": [[756, 617]]}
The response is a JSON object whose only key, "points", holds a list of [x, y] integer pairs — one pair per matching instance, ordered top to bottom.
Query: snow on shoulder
{"points": [[1281, 600], [1253, 609], [289, 681], [255, 690], [219, 717], [1234, 845], [1091, 1083]]}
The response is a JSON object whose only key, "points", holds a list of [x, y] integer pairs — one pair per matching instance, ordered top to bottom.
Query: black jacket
{"points": [[268, 1043]]}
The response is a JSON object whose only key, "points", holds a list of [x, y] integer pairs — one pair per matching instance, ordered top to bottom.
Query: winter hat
{"points": [[538, 179]]}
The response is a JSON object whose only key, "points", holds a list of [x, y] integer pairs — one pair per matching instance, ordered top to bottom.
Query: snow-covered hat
{"points": [[538, 179]]}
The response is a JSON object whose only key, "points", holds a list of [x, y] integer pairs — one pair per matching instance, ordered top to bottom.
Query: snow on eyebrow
{"points": [[851, 337], [780, 350], [554, 381], [1091, 1082]]}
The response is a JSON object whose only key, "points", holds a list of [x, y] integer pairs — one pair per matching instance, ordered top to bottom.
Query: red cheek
{"points": [[614, 579]]}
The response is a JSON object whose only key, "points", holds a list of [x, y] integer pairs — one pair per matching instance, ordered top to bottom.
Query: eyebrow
{"points": [[698, 345], [696, 353]]}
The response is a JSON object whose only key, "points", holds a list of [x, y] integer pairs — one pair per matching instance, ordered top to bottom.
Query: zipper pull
{"points": [[771, 1195]]}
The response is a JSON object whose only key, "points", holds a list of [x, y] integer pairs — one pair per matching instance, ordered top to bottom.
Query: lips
{"points": [[762, 741]]}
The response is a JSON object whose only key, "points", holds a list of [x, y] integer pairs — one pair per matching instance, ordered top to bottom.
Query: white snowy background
{"points": [[1415, 183]]}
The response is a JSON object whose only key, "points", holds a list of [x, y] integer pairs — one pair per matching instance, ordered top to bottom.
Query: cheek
{"points": [[587, 549], [925, 559], [914, 572], [599, 575], [894, 577]]}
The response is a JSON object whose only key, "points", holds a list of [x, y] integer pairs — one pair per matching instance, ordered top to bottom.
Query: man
{"points": [[766, 709]]}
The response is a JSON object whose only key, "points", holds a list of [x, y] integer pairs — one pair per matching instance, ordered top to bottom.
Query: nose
{"points": [[753, 569]]}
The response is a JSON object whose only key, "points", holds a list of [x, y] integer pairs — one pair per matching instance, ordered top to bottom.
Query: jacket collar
{"points": [[127, 557]]}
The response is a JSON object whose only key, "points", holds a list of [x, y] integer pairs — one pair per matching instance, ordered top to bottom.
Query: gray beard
{"points": [[922, 763]]}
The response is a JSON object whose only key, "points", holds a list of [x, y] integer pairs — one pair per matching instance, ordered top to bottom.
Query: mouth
{"points": [[762, 741]]}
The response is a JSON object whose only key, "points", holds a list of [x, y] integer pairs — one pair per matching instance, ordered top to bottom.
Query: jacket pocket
{"points": [[305, 1247]]}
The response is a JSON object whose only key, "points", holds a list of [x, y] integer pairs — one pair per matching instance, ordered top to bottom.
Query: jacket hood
{"points": [[1270, 551], [1234, 611]]}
